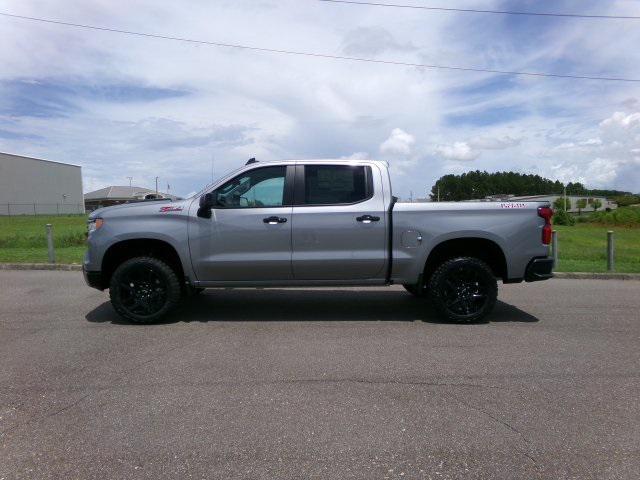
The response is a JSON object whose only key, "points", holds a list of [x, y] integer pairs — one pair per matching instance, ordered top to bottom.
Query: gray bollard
{"points": [[554, 247], [52, 253], [611, 263]]}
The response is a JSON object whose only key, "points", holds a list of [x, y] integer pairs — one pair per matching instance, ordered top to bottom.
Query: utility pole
{"points": [[130, 180], [156, 184], [438, 192], [411, 195], [565, 198]]}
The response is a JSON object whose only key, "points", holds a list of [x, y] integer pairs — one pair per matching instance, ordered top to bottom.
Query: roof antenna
{"points": [[250, 161]]}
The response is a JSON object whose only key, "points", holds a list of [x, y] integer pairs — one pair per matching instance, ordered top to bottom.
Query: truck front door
{"points": [[339, 223], [248, 236]]}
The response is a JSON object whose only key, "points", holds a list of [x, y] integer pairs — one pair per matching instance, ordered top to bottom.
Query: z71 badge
{"points": [[170, 209]]}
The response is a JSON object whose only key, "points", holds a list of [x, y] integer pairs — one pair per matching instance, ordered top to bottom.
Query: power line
{"points": [[495, 12], [322, 55]]}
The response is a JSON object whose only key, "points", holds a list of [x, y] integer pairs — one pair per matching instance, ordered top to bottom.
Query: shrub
{"points": [[626, 200], [558, 204], [626, 217], [563, 218]]}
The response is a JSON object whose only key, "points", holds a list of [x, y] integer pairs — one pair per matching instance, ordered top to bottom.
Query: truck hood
{"points": [[137, 208]]}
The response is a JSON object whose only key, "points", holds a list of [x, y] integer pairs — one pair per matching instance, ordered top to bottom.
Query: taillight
{"points": [[546, 213]]}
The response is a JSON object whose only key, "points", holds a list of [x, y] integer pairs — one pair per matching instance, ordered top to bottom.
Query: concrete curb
{"points": [[42, 266], [74, 267], [597, 276]]}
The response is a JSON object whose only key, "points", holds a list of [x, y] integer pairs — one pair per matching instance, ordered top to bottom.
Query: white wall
{"points": [[25, 181]]}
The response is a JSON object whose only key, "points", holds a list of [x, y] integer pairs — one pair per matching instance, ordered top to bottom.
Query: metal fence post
{"points": [[554, 247], [51, 252], [611, 263]]}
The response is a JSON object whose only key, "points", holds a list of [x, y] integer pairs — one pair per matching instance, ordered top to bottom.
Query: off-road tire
{"points": [[144, 289], [463, 290]]}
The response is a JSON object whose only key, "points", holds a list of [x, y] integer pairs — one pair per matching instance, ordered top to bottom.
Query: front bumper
{"points": [[539, 269], [93, 279]]}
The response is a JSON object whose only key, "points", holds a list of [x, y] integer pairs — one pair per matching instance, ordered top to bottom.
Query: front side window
{"points": [[334, 184], [262, 187]]}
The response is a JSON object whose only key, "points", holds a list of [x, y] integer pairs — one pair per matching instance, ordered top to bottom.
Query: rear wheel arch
{"points": [[475, 247]]}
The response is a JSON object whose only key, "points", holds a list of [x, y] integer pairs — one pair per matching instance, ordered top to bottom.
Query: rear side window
{"points": [[335, 184]]}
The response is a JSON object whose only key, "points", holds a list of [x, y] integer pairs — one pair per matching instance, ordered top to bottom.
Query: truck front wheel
{"points": [[144, 289], [463, 290]]}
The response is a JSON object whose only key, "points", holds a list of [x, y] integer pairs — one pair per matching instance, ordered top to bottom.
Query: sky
{"points": [[127, 106]]}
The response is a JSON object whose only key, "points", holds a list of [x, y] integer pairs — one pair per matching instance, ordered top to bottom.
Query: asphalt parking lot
{"points": [[327, 384]]}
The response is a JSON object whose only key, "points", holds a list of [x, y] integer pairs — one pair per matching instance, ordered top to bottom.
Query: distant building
{"points": [[30, 186], [115, 195], [606, 203]]}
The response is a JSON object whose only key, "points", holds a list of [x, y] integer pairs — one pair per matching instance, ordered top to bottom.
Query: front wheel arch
{"points": [[124, 250]]}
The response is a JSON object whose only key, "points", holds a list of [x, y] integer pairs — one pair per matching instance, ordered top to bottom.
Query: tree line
{"points": [[477, 184]]}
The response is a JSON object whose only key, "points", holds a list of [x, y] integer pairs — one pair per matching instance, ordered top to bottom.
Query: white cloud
{"points": [[369, 41], [621, 120], [398, 143], [494, 143], [459, 151], [356, 156], [603, 160]]}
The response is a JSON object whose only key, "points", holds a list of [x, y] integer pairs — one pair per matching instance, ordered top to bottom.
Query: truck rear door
{"points": [[339, 223]]}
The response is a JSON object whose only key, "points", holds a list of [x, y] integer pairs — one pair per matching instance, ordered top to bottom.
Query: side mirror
{"points": [[207, 201]]}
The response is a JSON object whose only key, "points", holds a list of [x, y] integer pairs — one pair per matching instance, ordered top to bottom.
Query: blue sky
{"points": [[128, 106]]}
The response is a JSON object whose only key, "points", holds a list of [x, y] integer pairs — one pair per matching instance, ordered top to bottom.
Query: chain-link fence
{"points": [[11, 209]]}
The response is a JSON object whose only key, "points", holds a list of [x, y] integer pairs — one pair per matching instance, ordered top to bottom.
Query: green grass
{"points": [[23, 238], [582, 247], [39, 255]]}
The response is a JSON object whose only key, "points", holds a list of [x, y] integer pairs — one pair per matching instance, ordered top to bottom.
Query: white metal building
{"points": [[31, 186], [605, 203]]}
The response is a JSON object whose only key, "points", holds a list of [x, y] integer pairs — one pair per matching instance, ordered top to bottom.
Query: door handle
{"points": [[368, 219], [274, 220]]}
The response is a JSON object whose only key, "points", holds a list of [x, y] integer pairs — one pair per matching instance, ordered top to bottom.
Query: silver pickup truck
{"points": [[314, 223]]}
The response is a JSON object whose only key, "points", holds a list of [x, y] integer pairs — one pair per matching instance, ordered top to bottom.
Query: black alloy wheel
{"points": [[144, 289], [463, 289]]}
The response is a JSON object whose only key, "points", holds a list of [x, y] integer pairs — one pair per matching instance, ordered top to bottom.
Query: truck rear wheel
{"points": [[144, 289], [463, 290]]}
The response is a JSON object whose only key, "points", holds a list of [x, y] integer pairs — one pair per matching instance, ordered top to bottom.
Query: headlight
{"points": [[95, 224]]}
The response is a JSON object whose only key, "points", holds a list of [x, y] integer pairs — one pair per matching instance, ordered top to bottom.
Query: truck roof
{"points": [[321, 160]]}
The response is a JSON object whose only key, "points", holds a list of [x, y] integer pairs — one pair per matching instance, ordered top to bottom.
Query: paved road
{"points": [[327, 384]]}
